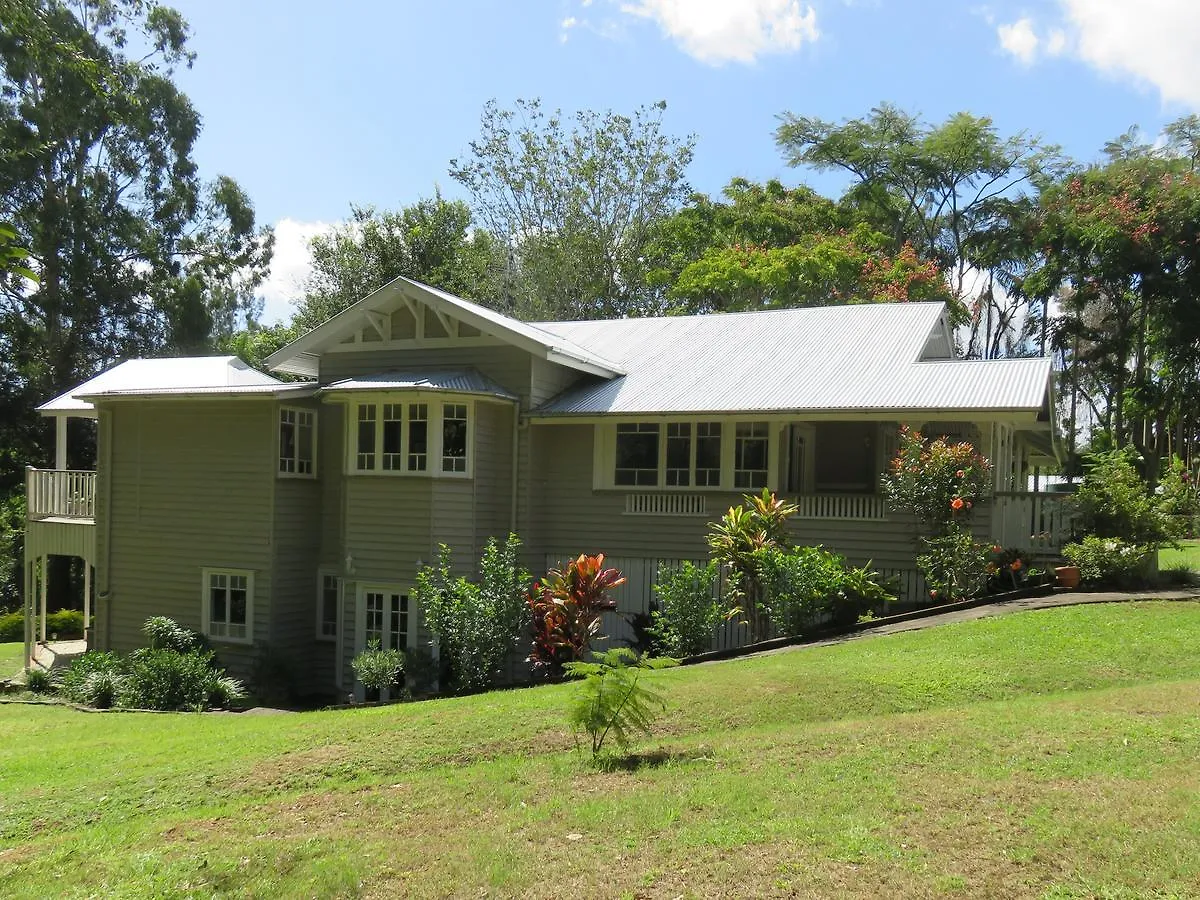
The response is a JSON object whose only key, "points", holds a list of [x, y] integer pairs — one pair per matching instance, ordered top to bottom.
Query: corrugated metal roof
{"points": [[864, 357], [175, 375], [462, 381]]}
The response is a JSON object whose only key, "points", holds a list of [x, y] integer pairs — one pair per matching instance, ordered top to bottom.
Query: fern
{"points": [[612, 700]]}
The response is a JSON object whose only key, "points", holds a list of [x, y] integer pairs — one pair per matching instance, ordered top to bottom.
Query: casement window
{"points": [[403, 437], [297, 441], [670, 454], [750, 465], [329, 605], [227, 611], [385, 612]]}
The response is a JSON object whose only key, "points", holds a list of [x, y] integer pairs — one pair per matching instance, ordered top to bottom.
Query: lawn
{"points": [[1188, 554], [10, 658], [1045, 754]]}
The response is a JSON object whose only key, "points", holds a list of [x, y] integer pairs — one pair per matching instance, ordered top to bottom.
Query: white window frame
{"points": [[434, 406], [279, 458], [767, 471], [322, 574], [360, 620], [206, 623]]}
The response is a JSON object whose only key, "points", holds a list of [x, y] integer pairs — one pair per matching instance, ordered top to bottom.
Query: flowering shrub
{"points": [[938, 481], [1110, 561], [955, 565]]}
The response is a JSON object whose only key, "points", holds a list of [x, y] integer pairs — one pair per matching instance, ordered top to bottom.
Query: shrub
{"points": [[939, 482], [1177, 498], [1114, 502], [760, 523], [1110, 560], [954, 564], [806, 585], [567, 609], [687, 610], [66, 623], [475, 624], [12, 627], [167, 634], [378, 670], [167, 679], [39, 681], [74, 685], [224, 691], [612, 700]]}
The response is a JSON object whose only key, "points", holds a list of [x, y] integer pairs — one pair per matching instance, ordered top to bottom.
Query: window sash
{"points": [[401, 436], [454, 437], [297, 441], [685, 454], [751, 457], [637, 460], [329, 603], [228, 604]]}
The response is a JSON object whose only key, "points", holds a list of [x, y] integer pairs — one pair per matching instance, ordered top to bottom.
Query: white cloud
{"points": [[720, 31], [1020, 40], [1150, 41], [289, 267]]}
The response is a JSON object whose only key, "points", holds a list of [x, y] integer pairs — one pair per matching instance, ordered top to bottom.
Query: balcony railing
{"points": [[58, 493], [867, 507], [1041, 522]]}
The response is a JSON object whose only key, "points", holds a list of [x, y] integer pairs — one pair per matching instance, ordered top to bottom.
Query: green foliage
{"points": [[559, 196], [938, 481], [1177, 499], [1114, 502], [759, 523], [12, 549], [1110, 561], [954, 564], [804, 587], [567, 609], [686, 610], [66, 623], [475, 624], [12, 627], [167, 634], [376, 669], [95, 678], [168, 680], [40, 681], [612, 699]]}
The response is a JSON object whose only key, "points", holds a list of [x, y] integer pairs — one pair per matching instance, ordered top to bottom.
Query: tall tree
{"points": [[945, 189], [575, 206], [433, 240], [134, 253]]}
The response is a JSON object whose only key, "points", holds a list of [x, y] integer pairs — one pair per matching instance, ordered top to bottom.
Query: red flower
{"points": [[960, 474], [956, 504], [1016, 565]]}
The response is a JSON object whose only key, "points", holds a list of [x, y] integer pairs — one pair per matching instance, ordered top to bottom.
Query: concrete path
{"points": [[1061, 598]]}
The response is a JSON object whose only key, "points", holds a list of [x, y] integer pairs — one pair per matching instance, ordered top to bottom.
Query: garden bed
{"points": [[827, 633]]}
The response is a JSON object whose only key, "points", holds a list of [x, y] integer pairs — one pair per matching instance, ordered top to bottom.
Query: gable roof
{"points": [[301, 357], [862, 357], [182, 374]]}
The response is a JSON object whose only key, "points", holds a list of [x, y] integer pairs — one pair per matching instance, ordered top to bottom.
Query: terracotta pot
{"points": [[1068, 576]]}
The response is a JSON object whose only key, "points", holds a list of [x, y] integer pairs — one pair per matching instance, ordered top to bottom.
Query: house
{"points": [[287, 520]]}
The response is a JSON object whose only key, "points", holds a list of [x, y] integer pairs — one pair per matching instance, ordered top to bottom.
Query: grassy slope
{"points": [[1188, 554], [10, 658], [1043, 754]]}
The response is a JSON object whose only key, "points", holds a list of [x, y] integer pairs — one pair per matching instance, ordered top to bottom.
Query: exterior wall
{"points": [[506, 365], [548, 380], [184, 485]]}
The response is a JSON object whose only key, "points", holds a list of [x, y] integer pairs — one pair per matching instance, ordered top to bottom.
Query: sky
{"points": [[315, 107]]}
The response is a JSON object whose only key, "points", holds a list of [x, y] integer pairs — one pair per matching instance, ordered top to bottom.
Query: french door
{"points": [[385, 616]]}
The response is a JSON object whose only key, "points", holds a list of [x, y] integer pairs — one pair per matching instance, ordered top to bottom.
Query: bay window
{"points": [[399, 437]]}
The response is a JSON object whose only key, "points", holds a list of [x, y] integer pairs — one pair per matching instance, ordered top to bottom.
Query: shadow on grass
{"points": [[651, 759]]}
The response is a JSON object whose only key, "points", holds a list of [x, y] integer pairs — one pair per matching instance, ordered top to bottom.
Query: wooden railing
{"points": [[68, 494], [665, 505], [866, 507], [1040, 522]]}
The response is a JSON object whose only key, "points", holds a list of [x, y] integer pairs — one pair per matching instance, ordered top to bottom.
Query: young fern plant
{"points": [[612, 701]]}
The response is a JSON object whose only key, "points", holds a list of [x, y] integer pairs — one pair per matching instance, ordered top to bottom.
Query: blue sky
{"points": [[315, 106]]}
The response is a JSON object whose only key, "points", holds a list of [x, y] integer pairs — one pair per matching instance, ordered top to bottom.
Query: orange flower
{"points": [[960, 474], [956, 504], [996, 548], [1016, 565]]}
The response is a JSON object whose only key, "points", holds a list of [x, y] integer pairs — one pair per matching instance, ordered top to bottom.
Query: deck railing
{"points": [[59, 493], [840, 506], [1040, 522]]}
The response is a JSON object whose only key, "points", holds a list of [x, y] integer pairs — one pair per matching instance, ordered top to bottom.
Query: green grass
{"points": [[1188, 554], [10, 658], [1046, 754]]}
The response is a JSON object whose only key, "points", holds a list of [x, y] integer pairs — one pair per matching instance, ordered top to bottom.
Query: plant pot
{"points": [[1068, 576]]}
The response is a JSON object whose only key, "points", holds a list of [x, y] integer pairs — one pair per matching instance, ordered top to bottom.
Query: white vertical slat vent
{"points": [[665, 505], [841, 506]]}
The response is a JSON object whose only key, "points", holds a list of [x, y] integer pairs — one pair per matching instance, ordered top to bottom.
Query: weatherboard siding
{"points": [[507, 366], [549, 379], [190, 486], [297, 542]]}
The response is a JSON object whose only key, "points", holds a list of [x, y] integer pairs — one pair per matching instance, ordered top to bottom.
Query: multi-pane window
{"points": [[393, 435], [366, 436], [397, 437], [418, 437], [454, 437], [296, 440], [637, 454], [679, 454], [708, 454], [750, 455], [227, 604], [327, 606], [386, 619]]}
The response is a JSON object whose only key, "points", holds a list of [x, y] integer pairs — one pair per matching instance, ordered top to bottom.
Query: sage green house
{"points": [[288, 520]]}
